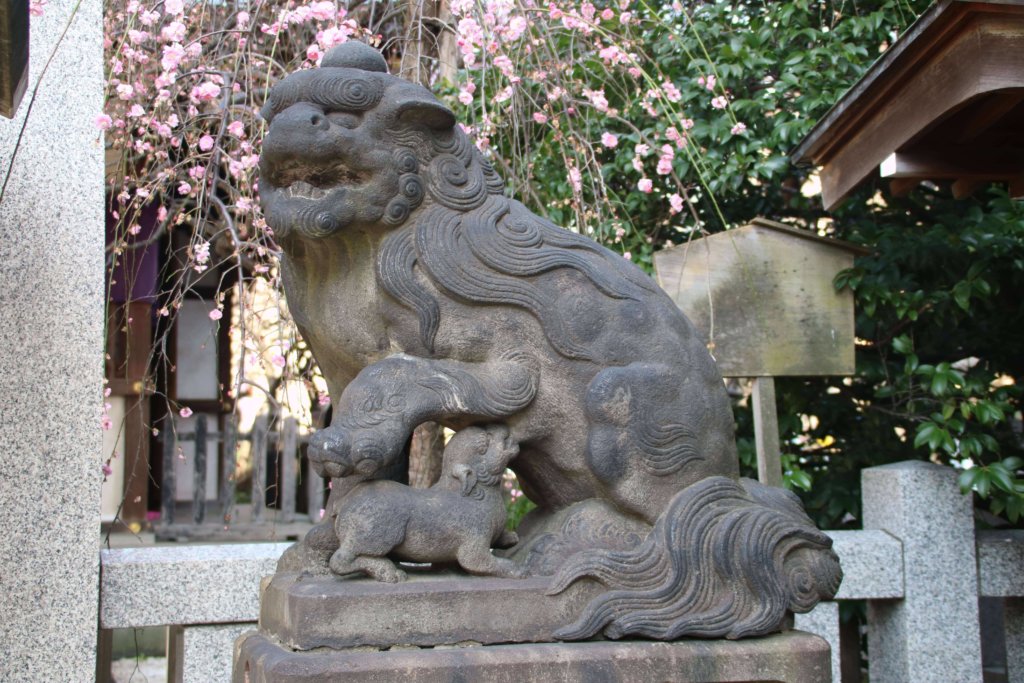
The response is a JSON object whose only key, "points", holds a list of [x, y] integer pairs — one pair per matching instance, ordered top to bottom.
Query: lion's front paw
{"points": [[339, 452], [330, 453]]}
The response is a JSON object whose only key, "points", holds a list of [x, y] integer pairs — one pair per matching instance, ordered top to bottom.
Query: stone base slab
{"points": [[305, 612], [793, 657]]}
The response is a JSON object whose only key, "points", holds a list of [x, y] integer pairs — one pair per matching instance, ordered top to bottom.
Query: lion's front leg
{"points": [[387, 400]]}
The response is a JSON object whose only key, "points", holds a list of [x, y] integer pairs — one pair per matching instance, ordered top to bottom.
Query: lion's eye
{"points": [[344, 119]]}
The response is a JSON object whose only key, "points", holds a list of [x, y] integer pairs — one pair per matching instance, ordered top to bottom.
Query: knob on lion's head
{"points": [[351, 147]]}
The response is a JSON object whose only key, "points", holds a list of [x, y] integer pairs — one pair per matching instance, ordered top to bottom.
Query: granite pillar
{"points": [[51, 352], [1013, 614], [823, 621], [932, 633]]}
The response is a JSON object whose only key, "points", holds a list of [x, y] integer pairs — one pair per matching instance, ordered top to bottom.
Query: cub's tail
{"points": [[726, 559]]}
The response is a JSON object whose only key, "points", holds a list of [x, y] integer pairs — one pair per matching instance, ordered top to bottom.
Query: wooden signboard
{"points": [[13, 54], [763, 298]]}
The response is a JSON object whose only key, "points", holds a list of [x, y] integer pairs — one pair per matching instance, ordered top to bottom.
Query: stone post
{"points": [[51, 353], [1014, 629], [932, 633]]}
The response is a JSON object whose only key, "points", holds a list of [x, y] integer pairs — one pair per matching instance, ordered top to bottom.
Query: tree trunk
{"points": [[425, 455]]}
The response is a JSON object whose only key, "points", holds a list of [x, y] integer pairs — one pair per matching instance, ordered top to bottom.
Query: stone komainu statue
{"points": [[427, 294]]}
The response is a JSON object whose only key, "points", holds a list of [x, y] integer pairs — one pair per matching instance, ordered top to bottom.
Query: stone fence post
{"points": [[51, 353], [932, 634]]}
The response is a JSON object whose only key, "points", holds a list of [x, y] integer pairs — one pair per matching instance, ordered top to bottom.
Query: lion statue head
{"points": [[352, 147]]}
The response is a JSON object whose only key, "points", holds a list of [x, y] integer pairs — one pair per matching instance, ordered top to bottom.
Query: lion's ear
{"points": [[430, 113]]}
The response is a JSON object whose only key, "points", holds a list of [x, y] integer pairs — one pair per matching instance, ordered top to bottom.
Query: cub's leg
{"points": [[387, 400], [379, 568]]}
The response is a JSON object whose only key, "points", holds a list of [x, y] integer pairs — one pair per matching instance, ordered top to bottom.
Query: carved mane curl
{"points": [[477, 245]]}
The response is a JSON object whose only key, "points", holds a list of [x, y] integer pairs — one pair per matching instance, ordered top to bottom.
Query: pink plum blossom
{"points": [[173, 55], [205, 91], [672, 93], [597, 99], [719, 102], [104, 122], [738, 128], [609, 140], [206, 143], [575, 179], [645, 185], [676, 203], [216, 314], [185, 412]]}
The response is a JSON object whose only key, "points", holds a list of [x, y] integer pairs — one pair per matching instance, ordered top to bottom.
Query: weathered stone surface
{"points": [[426, 294], [51, 351], [1000, 562], [872, 564], [195, 584], [310, 612], [823, 621], [1013, 627], [932, 633], [204, 653], [793, 657]]}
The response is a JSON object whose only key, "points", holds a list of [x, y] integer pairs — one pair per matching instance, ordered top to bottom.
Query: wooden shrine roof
{"points": [[945, 102]]}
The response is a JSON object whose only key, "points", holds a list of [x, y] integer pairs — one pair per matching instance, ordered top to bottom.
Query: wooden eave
{"points": [[946, 101]]}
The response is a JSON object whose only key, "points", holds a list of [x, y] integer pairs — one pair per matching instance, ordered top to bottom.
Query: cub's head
{"points": [[352, 147]]}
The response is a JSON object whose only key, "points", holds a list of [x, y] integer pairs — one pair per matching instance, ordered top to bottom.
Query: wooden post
{"points": [[14, 42], [766, 432], [289, 446], [258, 450], [227, 472], [199, 478], [167, 485], [314, 493], [104, 654]]}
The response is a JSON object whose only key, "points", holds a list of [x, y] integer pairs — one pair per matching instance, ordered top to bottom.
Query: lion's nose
{"points": [[300, 118], [298, 130]]}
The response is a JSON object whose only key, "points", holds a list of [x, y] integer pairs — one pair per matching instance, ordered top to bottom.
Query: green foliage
{"points": [[939, 315], [517, 509]]}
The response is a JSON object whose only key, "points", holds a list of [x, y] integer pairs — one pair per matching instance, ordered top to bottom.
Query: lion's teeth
{"points": [[301, 188]]}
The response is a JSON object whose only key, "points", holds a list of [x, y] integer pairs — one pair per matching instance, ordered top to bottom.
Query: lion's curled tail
{"points": [[726, 559]]}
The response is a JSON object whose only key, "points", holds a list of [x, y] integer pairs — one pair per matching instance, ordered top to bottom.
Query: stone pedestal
{"points": [[304, 613], [450, 627], [794, 657]]}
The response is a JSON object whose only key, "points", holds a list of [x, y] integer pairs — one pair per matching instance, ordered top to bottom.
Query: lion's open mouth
{"points": [[305, 183], [300, 188]]}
